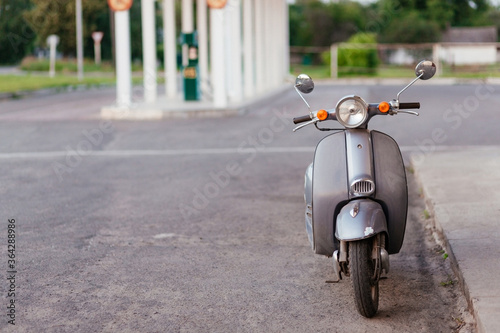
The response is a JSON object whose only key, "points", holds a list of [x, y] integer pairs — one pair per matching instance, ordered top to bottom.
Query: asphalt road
{"points": [[196, 225]]}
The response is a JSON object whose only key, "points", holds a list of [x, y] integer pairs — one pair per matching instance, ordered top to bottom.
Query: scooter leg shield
{"points": [[360, 219]]}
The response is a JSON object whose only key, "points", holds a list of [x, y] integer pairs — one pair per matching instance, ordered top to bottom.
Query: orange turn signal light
{"points": [[384, 107], [322, 115]]}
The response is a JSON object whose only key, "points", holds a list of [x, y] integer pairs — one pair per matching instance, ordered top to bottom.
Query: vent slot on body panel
{"points": [[362, 188]]}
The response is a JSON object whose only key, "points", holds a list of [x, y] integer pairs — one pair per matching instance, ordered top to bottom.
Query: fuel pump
{"points": [[190, 72]]}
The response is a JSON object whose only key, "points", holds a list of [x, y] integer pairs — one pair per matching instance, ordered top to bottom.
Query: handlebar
{"points": [[415, 105], [373, 110], [301, 119]]}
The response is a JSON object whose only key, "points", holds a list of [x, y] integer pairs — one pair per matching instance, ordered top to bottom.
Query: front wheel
{"points": [[363, 276]]}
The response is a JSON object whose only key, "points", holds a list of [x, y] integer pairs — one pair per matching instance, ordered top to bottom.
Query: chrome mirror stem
{"points": [[408, 86], [298, 92]]}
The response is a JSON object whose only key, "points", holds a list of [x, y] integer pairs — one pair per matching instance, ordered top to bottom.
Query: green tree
{"points": [[441, 12], [444, 13], [470, 13], [58, 17], [349, 18], [420, 21], [320, 22], [316, 23], [411, 27], [136, 30], [300, 30], [16, 35], [359, 60]]}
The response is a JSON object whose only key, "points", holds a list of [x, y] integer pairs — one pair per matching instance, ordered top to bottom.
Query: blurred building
{"points": [[469, 46]]}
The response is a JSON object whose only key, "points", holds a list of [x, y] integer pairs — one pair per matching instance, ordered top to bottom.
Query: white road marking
{"points": [[201, 151], [141, 153], [163, 236]]}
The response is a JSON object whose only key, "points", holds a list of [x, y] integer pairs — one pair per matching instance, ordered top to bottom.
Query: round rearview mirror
{"points": [[426, 68], [304, 83]]}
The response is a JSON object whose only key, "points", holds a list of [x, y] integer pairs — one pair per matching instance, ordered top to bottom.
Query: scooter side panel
{"points": [[391, 187], [329, 191]]}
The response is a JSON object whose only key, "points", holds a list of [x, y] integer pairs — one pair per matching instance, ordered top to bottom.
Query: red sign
{"points": [[120, 5]]}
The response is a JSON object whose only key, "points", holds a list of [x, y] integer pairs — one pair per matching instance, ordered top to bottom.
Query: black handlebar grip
{"points": [[415, 105], [301, 119]]}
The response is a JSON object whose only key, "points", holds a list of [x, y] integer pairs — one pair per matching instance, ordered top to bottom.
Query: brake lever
{"points": [[409, 112], [314, 121]]}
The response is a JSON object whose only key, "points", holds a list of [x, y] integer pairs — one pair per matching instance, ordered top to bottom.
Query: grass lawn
{"points": [[31, 64], [315, 72], [323, 72], [465, 72], [36, 76], [15, 83]]}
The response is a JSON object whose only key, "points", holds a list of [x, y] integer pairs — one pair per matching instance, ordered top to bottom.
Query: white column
{"points": [[187, 26], [202, 27], [272, 27], [79, 39], [278, 40], [272, 43], [259, 46], [169, 48], [149, 49], [233, 51], [248, 54], [217, 59], [123, 62]]}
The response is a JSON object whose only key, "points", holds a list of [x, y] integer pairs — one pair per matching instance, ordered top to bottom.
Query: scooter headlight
{"points": [[352, 111]]}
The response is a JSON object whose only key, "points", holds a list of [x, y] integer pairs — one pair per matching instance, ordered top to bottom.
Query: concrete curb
{"points": [[168, 109], [148, 112], [461, 192], [446, 245]]}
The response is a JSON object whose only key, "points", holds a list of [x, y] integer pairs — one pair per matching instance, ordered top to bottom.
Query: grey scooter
{"points": [[355, 190]]}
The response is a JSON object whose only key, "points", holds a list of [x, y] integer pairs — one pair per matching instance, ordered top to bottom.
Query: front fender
{"points": [[360, 219]]}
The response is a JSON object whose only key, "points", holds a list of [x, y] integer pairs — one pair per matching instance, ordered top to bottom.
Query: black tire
{"points": [[362, 269]]}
